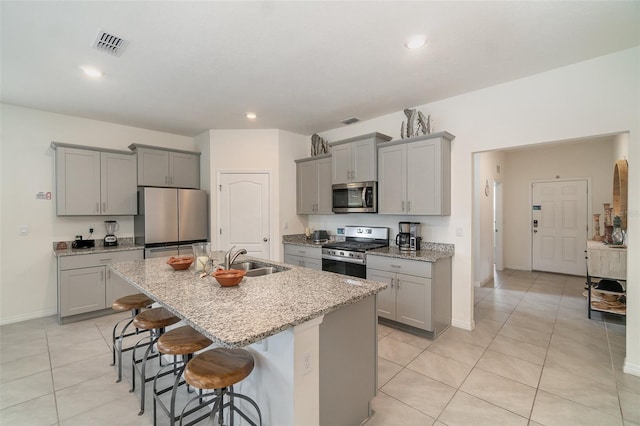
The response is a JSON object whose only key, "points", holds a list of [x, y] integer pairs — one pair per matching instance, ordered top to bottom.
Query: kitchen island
{"points": [[312, 334]]}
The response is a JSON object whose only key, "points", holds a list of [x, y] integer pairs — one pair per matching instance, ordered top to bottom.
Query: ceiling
{"points": [[300, 66]]}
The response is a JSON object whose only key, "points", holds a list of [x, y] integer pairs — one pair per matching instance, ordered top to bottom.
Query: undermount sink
{"points": [[257, 269], [258, 272]]}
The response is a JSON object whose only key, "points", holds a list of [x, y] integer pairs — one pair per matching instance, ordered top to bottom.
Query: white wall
{"points": [[595, 97], [292, 147], [258, 150], [594, 162], [485, 172], [28, 287]]}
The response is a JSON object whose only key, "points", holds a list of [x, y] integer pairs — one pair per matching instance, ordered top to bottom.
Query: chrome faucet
{"points": [[229, 259]]}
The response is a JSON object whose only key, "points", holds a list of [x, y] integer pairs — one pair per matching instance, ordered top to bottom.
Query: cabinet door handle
{"points": [[402, 206], [408, 206], [97, 207], [104, 207], [105, 260], [395, 266], [108, 274], [102, 275], [391, 282], [397, 283]]}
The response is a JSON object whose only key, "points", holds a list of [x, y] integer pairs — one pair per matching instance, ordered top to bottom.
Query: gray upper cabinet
{"points": [[354, 159], [167, 168], [414, 175], [93, 182], [313, 185]]}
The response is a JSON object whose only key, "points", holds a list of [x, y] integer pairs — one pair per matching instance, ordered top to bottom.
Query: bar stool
{"points": [[133, 303], [155, 320], [183, 341], [219, 369]]}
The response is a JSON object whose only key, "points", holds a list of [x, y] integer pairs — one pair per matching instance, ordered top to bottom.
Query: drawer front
{"points": [[311, 252], [98, 259], [410, 267]]}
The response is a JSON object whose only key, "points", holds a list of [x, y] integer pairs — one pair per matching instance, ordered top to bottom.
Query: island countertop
{"points": [[255, 309]]}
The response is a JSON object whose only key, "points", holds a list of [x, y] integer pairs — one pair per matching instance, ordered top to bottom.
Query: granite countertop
{"points": [[301, 240], [124, 244], [429, 252], [255, 309]]}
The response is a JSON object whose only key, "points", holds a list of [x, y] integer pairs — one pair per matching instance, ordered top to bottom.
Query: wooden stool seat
{"points": [[130, 302], [154, 318], [182, 341], [218, 368]]}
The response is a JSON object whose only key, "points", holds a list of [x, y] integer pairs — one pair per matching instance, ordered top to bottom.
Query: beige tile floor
{"points": [[534, 358]]}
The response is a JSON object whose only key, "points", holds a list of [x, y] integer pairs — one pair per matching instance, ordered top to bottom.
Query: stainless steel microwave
{"points": [[355, 197]]}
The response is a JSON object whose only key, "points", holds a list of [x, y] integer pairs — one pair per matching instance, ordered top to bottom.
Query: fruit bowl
{"points": [[180, 263], [228, 277]]}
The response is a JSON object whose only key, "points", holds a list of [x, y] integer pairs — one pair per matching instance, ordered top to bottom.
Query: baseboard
{"points": [[483, 282], [28, 316], [465, 325], [632, 369]]}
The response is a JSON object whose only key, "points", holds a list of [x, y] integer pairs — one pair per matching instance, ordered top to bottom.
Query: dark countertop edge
{"points": [[95, 250]]}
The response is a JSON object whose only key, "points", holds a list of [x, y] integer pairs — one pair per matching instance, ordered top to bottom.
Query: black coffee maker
{"points": [[403, 239], [408, 239]]}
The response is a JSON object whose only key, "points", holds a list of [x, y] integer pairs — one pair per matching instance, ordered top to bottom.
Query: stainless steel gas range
{"points": [[348, 257]]}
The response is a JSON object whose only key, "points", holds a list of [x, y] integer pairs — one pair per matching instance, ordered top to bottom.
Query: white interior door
{"points": [[243, 219], [559, 226]]}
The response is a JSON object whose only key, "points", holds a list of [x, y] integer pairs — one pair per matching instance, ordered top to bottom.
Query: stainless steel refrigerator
{"points": [[169, 220]]}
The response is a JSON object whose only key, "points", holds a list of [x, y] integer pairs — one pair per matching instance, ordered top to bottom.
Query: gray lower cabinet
{"points": [[307, 257], [86, 284], [418, 293]]}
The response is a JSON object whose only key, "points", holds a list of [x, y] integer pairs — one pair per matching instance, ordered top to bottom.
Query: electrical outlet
{"points": [[91, 229], [306, 363]]}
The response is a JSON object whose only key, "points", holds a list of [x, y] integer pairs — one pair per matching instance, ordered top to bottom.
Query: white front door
{"points": [[243, 215], [559, 226]]}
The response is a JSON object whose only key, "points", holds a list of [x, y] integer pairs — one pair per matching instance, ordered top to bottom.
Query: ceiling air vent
{"points": [[109, 43], [350, 120]]}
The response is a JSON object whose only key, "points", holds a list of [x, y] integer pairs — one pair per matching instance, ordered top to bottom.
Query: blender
{"points": [[110, 239]]}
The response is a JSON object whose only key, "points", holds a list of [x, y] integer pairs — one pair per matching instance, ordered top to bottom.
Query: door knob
{"points": [[265, 239]]}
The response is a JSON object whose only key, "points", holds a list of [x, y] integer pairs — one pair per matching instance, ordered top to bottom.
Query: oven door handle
{"points": [[364, 197], [344, 259]]}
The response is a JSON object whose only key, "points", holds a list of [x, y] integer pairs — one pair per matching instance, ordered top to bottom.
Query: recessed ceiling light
{"points": [[415, 42], [92, 72], [251, 115]]}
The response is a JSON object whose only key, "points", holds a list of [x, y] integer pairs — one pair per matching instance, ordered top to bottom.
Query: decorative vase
{"points": [[607, 213], [596, 227], [608, 231], [617, 237]]}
